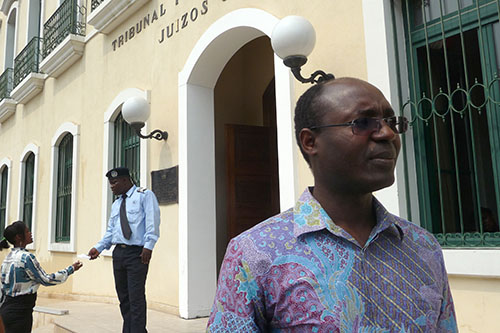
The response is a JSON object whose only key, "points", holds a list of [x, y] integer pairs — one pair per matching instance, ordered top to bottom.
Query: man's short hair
{"points": [[309, 112]]}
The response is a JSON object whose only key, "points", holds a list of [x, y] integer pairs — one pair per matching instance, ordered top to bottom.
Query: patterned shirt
{"points": [[143, 214], [299, 272], [22, 274]]}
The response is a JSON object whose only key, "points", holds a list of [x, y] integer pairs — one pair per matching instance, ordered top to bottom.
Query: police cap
{"points": [[118, 172]]}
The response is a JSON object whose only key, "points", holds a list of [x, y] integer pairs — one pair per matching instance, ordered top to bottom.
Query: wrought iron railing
{"points": [[95, 4], [69, 18], [27, 61], [6, 83], [454, 111]]}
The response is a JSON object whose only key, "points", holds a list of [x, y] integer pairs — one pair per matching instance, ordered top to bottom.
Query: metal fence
{"points": [[95, 4], [69, 18], [453, 57], [27, 61], [6, 83]]}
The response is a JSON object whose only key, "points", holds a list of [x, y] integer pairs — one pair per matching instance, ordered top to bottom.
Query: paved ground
{"points": [[88, 317]]}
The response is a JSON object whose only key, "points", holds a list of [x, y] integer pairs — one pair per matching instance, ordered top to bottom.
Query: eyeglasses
{"points": [[366, 126]]}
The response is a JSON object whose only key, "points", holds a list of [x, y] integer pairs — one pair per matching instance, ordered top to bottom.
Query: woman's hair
{"points": [[10, 233]]}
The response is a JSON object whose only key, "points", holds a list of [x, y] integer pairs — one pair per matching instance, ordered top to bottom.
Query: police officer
{"points": [[133, 228]]}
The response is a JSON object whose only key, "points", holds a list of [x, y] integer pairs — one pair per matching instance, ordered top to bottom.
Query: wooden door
{"points": [[252, 176]]}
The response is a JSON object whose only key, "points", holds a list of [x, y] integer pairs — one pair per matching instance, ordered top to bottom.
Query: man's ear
{"points": [[307, 140], [18, 238]]}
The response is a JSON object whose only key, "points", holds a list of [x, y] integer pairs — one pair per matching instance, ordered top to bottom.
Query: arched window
{"points": [[10, 39], [127, 150], [4, 174], [64, 177], [29, 184]]}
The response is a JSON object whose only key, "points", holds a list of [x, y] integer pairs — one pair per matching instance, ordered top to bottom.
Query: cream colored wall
{"points": [[82, 94], [477, 301]]}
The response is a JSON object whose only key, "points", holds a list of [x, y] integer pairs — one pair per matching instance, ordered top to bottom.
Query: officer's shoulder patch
{"points": [[141, 189]]}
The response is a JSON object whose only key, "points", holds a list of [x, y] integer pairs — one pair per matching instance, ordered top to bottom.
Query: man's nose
{"points": [[385, 132]]}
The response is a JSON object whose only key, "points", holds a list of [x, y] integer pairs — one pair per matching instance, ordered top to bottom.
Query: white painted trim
{"points": [[14, 6], [381, 69], [74, 130], [108, 146], [30, 148], [6, 163], [197, 212], [483, 263]]}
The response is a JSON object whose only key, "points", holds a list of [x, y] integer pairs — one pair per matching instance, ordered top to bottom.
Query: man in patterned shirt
{"points": [[338, 261]]}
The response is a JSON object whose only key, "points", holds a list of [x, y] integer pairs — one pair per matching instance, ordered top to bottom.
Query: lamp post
{"points": [[293, 39], [136, 112]]}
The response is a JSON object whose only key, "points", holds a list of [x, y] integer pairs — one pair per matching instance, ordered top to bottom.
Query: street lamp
{"points": [[293, 39], [136, 112]]}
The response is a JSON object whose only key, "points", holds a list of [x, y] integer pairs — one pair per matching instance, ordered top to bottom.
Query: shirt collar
{"points": [[131, 191], [309, 216]]}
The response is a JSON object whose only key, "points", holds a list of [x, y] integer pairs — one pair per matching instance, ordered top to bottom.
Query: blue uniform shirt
{"points": [[143, 216]]}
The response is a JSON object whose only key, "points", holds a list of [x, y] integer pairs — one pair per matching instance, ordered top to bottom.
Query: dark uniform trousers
{"points": [[130, 280]]}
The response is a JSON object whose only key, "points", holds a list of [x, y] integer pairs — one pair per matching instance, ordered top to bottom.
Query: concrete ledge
{"points": [[111, 13], [63, 56], [28, 88], [7, 109], [474, 262], [157, 306], [53, 311]]}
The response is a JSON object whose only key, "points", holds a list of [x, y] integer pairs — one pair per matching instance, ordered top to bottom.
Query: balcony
{"points": [[106, 15], [64, 38], [28, 81], [6, 83], [7, 105]]}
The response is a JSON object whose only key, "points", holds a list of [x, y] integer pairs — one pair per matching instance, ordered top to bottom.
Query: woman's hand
{"points": [[77, 265]]}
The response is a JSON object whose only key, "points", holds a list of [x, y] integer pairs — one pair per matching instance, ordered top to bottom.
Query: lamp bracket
{"points": [[296, 62], [156, 134]]}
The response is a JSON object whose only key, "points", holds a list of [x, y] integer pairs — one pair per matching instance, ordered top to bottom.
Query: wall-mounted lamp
{"points": [[293, 39], [136, 112]]}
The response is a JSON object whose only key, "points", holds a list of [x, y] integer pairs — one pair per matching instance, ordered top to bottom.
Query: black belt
{"points": [[124, 246]]}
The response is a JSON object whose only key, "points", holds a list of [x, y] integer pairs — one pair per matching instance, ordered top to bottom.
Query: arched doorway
{"points": [[246, 157], [197, 181]]}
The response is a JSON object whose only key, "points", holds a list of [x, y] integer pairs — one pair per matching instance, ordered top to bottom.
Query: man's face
{"points": [[353, 163], [119, 185], [28, 238]]}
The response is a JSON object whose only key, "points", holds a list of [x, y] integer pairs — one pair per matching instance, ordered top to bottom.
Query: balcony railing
{"points": [[95, 4], [69, 18], [27, 61], [6, 83]]}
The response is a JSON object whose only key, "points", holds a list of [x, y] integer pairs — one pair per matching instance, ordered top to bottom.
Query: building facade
{"points": [[213, 82]]}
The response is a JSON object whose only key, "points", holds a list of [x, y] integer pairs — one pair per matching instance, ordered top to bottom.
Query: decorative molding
{"points": [[6, 6], [110, 13], [63, 56], [31, 86], [7, 109], [74, 130], [30, 148], [6, 163], [197, 191]]}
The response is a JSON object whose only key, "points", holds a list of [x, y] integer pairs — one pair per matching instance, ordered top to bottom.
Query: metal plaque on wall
{"points": [[164, 184]]}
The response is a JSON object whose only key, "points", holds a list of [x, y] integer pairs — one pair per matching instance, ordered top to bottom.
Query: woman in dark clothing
{"points": [[21, 277]]}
